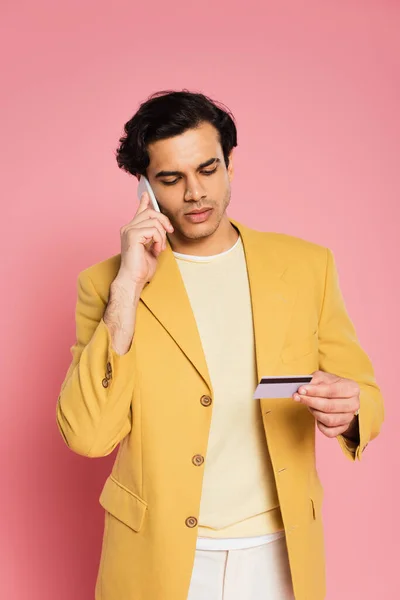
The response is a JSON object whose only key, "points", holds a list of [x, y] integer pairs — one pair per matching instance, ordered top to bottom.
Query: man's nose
{"points": [[194, 191]]}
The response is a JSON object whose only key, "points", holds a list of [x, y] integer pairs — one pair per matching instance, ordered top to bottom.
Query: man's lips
{"points": [[197, 212]]}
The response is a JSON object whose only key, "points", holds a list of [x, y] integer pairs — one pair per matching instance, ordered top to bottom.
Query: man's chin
{"points": [[199, 230]]}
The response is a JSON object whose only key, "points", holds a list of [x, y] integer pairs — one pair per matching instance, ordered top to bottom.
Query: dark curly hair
{"points": [[166, 114]]}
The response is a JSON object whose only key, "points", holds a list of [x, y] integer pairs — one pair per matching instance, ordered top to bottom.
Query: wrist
{"points": [[126, 286]]}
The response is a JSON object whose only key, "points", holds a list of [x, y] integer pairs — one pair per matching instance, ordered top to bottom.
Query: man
{"points": [[213, 494]]}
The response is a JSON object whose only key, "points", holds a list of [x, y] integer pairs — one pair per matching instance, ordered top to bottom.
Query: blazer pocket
{"points": [[300, 348], [123, 504]]}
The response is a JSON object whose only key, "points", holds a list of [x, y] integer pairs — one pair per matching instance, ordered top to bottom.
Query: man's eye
{"points": [[209, 172], [176, 180]]}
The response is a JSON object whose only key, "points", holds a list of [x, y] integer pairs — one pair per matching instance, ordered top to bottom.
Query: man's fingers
{"points": [[144, 202], [145, 210], [150, 213], [153, 222], [148, 235], [343, 388], [327, 405], [332, 419], [331, 432]]}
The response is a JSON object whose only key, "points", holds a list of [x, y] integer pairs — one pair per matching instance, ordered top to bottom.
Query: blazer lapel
{"points": [[166, 297], [272, 297]]}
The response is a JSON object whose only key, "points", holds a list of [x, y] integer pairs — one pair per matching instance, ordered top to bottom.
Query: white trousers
{"points": [[260, 573]]}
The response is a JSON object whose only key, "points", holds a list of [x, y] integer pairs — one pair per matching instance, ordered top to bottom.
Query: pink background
{"points": [[315, 90]]}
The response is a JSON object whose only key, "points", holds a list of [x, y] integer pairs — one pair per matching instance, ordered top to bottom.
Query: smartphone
{"points": [[144, 186]]}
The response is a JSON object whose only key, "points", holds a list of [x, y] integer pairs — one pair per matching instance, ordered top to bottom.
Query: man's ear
{"points": [[230, 165]]}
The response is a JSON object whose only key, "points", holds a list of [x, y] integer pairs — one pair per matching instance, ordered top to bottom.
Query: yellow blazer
{"points": [[156, 402]]}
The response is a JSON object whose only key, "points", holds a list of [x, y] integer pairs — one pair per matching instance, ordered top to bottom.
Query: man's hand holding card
{"points": [[334, 401]]}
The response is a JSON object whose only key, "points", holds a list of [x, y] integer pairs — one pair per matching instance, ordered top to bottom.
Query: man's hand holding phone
{"points": [[142, 241]]}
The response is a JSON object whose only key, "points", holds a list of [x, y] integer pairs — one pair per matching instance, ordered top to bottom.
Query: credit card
{"points": [[283, 386]]}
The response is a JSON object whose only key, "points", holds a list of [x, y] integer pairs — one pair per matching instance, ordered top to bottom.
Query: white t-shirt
{"points": [[239, 504]]}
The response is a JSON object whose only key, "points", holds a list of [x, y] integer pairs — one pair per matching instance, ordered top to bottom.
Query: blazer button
{"points": [[109, 369], [105, 383], [205, 400], [197, 460], [191, 522]]}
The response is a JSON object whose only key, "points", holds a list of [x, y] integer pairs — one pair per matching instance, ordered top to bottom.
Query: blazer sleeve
{"points": [[340, 353], [94, 405]]}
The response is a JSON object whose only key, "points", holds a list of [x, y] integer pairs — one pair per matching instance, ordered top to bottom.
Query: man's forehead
{"points": [[190, 148]]}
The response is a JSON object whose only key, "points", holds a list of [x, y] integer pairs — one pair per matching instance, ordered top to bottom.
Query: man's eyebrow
{"points": [[207, 163]]}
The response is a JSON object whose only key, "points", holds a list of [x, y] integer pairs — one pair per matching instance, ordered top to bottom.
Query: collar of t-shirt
{"points": [[193, 258]]}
